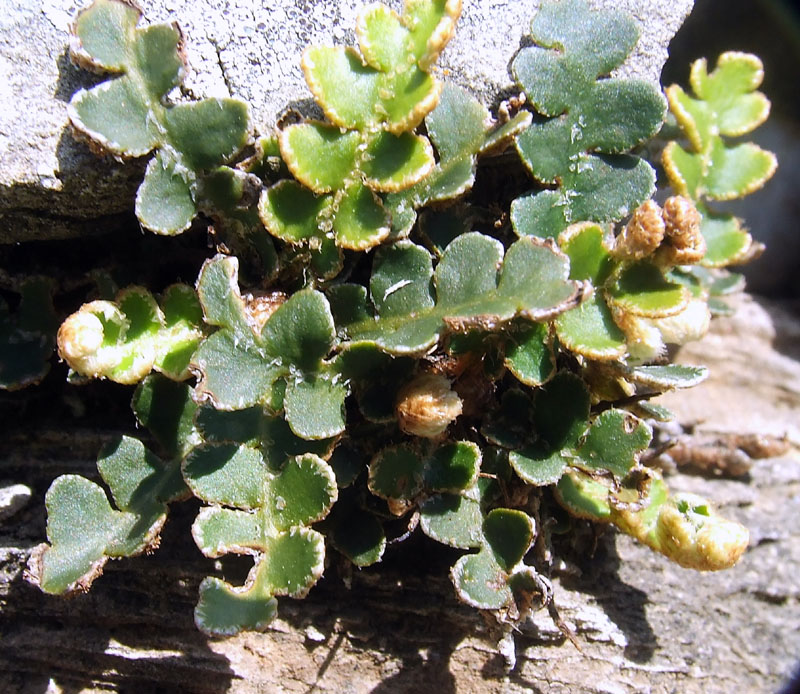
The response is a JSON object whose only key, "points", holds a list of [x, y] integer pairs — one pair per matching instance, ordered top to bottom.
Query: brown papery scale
{"points": [[427, 406]]}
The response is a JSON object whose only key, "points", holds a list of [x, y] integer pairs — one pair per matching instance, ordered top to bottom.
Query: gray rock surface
{"points": [[52, 187], [753, 359], [13, 498]]}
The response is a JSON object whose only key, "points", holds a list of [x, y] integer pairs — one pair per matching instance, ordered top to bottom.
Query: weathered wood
{"points": [[645, 625]]}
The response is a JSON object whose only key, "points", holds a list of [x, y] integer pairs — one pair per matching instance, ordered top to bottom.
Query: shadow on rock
{"points": [[624, 605], [132, 631]]}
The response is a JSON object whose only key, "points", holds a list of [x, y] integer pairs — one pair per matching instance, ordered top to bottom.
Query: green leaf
{"points": [[430, 25], [104, 32], [382, 36], [345, 88], [729, 91], [407, 96], [374, 101], [726, 104], [116, 115], [129, 115], [591, 121], [223, 124], [460, 128], [320, 156], [395, 162], [684, 169], [737, 171], [606, 188], [164, 201], [291, 212], [539, 214], [361, 221], [726, 242], [588, 251], [327, 260], [401, 280], [642, 290], [471, 293], [589, 329], [301, 331], [27, 337], [126, 339], [529, 354], [240, 365], [232, 376], [669, 376], [315, 408], [167, 409], [561, 410], [652, 410], [253, 426], [614, 442], [539, 466], [226, 473], [396, 473], [400, 474], [300, 494], [583, 496], [277, 507], [452, 519], [683, 527], [84, 530], [357, 534], [509, 534], [291, 564], [484, 580], [481, 582], [224, 610]]}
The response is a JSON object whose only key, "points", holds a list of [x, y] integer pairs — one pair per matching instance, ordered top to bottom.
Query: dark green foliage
{"points": [[127, 116], [590, 122], [470, 292], [28, 336], [279, 364], [446, 379], [141, 486]]}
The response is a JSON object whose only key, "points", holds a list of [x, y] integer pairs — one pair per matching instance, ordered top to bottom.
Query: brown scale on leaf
{"points": [[642, 234], [670, 235], [683, 242], [260, 307], [469, 379], [427, 406]]}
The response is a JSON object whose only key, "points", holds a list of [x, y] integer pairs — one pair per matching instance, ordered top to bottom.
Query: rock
{"points": [[52, 187], [754, 383], [13, 498], [643, 623]]}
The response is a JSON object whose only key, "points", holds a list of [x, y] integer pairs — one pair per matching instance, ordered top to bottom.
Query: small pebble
{"points": [[13, 498], [314, 634]]}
